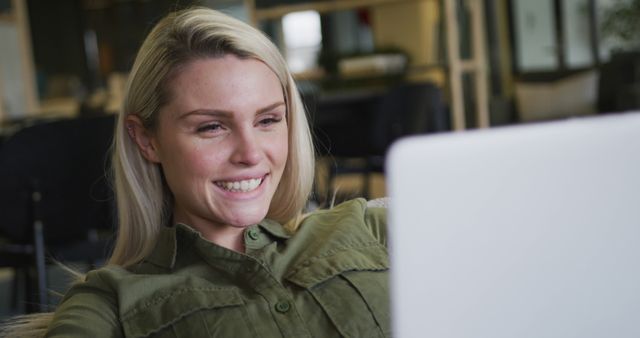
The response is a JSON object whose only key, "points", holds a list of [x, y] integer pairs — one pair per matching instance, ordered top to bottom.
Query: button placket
{"points": [[253, 234], [283, 306]]}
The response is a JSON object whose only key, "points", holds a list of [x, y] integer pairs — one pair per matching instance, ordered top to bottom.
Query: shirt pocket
{"points": [[352, 288], [189, 312]]}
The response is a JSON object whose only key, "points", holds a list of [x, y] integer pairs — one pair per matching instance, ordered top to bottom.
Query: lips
{"points": [[246, 185]]}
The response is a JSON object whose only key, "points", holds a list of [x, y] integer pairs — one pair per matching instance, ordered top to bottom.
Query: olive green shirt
{"points": [[329, 279]]}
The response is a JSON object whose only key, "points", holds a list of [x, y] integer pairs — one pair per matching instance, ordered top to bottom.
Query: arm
{"points": [[376, 219], [88, 310]]}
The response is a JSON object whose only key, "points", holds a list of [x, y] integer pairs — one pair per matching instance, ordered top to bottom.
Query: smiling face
{"points": [[222, 143]]}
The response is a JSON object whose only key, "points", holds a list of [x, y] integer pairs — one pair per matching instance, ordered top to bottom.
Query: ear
{"points": [[143, 138]]}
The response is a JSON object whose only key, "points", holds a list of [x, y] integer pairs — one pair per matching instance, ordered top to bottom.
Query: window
{"points": [[558, 35], [302, 39]]}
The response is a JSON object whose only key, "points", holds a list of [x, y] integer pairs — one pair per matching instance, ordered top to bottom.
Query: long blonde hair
{"points": [[144, 203]]}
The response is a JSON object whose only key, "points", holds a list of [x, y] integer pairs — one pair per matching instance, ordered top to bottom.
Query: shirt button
{"points": [[253, 234], [283, 306]]}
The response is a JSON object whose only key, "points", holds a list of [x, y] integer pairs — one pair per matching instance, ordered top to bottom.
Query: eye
{"points": [[267, 121], [211, 127]]}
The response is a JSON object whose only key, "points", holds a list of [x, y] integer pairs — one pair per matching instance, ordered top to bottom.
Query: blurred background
{"points": [[369, 71]]}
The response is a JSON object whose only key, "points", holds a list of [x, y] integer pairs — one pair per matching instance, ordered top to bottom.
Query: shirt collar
{"points": [[274, 229], [166, 249], [165, 252]]}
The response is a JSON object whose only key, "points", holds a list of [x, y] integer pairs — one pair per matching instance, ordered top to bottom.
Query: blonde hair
{"points": [[144, 202]]}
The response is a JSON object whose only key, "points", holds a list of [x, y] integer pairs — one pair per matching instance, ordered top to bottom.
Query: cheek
{"points": [[280, 148], [194, 161], [201, 161]]}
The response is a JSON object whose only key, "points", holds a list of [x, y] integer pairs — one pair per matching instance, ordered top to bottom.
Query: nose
{"points": [[247, 151]]}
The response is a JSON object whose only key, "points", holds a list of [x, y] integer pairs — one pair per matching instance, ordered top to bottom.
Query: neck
{"points": [[226, 236], [231, 237]]}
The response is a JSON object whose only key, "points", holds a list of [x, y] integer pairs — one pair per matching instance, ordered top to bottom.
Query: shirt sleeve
{"points": [[376, 220], [88, 310]]}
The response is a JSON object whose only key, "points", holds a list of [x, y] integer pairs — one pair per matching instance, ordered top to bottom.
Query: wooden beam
{"points": [[250, 7], [276, 12], [5, 18], [479, 57], [27, 65], [455, 66], [468, 66], [2, 112]]}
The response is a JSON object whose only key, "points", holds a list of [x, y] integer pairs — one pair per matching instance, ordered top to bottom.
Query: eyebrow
{"points": [[270, 107], [225, 113]]}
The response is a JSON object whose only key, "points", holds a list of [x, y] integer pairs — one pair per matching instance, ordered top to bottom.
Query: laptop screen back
{"points": [[528, 231]]}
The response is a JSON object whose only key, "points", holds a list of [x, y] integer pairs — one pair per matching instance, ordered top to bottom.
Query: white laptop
{"points": [[515, 232]]}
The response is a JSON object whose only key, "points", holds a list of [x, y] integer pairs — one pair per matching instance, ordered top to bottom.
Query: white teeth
{"points": [[240, 186]]}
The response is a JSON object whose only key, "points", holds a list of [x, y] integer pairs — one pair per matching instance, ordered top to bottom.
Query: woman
{"points": [[213, 164]]}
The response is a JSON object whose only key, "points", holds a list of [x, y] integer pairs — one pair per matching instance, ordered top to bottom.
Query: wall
{"points": [[414, 27]]}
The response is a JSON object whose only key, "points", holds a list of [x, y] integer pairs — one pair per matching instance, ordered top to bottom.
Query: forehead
{"points": [[226, 83]]}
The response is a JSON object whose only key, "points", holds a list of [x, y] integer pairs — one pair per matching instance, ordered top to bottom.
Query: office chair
{"points": [[405, 109], [54, 198]]}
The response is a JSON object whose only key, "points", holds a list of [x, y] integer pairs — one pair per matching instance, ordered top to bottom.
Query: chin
{"points": [[247, 219]]}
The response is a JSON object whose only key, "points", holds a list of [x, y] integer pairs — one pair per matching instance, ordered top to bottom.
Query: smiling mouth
{"points": [[240, 186]]}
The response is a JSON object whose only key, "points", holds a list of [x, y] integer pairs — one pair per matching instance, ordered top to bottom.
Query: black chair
{"points": [[619, 83], [358, 143], [55, 201]]}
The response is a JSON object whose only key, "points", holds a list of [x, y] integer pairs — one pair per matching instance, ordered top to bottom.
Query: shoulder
{"points": [[357, 219], [376, 219], [351, 228], [344, 240], [99, 282], [98, 287], [114, 301], [89, 308]]}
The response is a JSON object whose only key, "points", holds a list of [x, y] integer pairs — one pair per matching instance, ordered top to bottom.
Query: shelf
{"points": [[276, 12], [7, 18], [454, 67]]}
